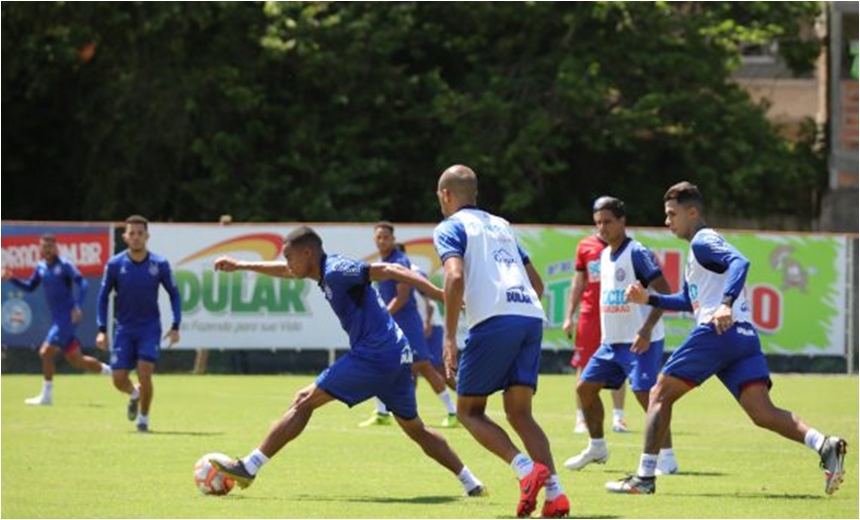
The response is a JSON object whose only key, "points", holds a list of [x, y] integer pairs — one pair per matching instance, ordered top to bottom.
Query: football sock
{"points": [[106, 371], [47, 388], [135, 393], [445, 397], [381, 409], [618, 414], [580, 417], [143, 419], [814, 439], [597, 444], [667, 453], [254, 461], [522, 465], [647, 465], [468, 480], [553, 488]]}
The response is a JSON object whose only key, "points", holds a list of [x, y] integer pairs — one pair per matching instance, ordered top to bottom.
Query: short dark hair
{"points": [[686, 194], [615, 205], [137, 219], [384, 224], [303, 236], [48, 237]]}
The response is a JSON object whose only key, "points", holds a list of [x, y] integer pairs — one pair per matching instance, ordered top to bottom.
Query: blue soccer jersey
{"points": [[58, 278], [136, 285], [388, 288], [362, 314]]}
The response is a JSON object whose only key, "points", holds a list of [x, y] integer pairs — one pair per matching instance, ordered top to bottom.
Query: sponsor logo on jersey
{"points": [[501, 256], [518, 294]]}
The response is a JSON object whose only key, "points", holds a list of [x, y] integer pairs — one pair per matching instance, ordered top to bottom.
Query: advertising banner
{"points": [[796, 283], [26, 317]]}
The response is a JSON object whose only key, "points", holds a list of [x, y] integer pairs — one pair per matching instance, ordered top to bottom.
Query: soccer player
{"points": [[486, 269], [58, 274], [135, 275], [585, 294], [400, 300], [632, 336], [723, 343], [379, 362]]}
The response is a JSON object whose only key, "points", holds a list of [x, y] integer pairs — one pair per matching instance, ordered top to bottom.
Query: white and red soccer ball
{"points": [[208, 480]]}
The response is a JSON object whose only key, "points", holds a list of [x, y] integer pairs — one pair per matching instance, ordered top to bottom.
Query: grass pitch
{"points": [[81, 458]]}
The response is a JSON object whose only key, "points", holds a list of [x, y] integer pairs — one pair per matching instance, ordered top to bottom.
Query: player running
{"points": [[58, 275], [723, 343], [379, 362]]}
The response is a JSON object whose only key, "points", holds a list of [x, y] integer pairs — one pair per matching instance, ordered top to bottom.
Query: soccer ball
{"points": [[208, 480]]}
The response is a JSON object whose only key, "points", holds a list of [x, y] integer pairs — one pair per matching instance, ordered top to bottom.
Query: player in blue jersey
{"points": [[486, 269], [135, 275], [58, 276], [400, 300], [631, 336], [723, 343], [378, 364]]}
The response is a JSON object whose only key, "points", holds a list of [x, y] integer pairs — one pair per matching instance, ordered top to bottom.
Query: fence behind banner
{"points": [[802, 287]]}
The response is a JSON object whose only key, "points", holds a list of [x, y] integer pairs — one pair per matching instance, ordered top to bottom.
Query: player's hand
{"points": [[226, 264], [5, 274], [636, 293], [77, 313], [722, 318], [568, 328], [428, 329], [172, 337], [102, 342], [642, 342], [449, 355]]}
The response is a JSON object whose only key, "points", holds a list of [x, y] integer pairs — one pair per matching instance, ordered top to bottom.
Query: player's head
{"points": [[458, 187], [684, 209], [610, 218], [136, 233], [383, 236], [48, 247], [302, 251]]}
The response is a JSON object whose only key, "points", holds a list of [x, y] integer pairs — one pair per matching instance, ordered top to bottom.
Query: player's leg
{"points": [[587, 343], [47, 352], [73, 355], [422, 357], [123, 360], [145, 371], [642, 374], [619, 425], [287, 428]]}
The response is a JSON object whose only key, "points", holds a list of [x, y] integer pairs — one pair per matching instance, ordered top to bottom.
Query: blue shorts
{"points": [[412, 327], [62, 335], [434, 345], [131, 346], [500, 352], [735, 356], [612, 364], [353, 379]]}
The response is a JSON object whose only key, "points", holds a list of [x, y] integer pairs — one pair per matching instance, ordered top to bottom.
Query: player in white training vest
{"points": [[632, 335]]}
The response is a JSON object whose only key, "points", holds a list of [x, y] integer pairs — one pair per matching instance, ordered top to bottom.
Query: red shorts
{"points": [[587, 340]]}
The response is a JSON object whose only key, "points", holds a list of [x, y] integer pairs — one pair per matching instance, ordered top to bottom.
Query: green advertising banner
{"points": [[796, 284]]}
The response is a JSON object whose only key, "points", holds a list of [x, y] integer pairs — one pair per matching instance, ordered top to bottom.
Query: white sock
{"points": [[106, 371], [47, 388], [135, 393], [445, 397], [381, 409], [618, 414], [580, 417], [143, 419], [814, 439], [597, 444], [666, 454], [255, 461], [522, 465], [647, 465], [469, 480], [553, 488]]}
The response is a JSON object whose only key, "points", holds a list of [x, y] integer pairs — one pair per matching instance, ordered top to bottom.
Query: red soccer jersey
{"points": [[588, 260]]}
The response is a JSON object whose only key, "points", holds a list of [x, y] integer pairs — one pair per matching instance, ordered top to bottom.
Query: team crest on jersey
{"points": [[153, 269], [58, 270], [620, 275], [406, 355]]}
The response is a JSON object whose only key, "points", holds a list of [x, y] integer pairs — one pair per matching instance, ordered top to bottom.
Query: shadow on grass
{"points": [[175, 432], [757, 495], [429, 500]]}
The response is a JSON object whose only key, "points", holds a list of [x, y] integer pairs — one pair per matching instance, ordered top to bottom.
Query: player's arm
{"points": [[275, 268], [531, 272], [404, 277], [169, 284], [28, 285], [107, 285], [455, 287], [83, 289], [577, 289], [400, 298], [679, 301]]}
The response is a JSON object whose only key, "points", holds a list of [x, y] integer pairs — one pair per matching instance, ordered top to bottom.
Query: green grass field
{"points": [[82, 458]]}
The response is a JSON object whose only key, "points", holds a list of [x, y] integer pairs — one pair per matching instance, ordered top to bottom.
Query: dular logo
{"points": [[17, 316]]}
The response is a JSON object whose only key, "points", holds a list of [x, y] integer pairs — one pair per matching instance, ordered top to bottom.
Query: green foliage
{"points": [[323, 111], [82, 459]]}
